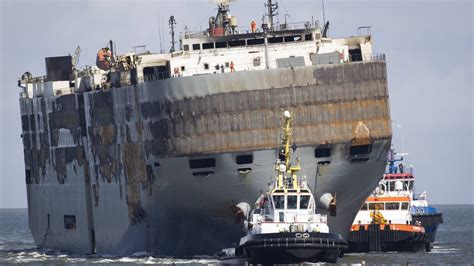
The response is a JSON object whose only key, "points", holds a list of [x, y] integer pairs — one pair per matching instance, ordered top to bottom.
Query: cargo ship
{"points": [[152, 151]]}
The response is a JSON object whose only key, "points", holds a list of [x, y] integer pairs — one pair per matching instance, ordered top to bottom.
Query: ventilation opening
{"points": [[360, 149], [322, 152], [244, 159], [324, 162], [202, 163], [157, 164], [203, 174], [28, 176], [70, 222]]}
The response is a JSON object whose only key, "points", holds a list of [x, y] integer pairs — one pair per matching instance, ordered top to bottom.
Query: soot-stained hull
{"points": [[109, 171]]}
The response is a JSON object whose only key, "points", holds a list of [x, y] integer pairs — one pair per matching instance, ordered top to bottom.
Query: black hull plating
{"points": [[430, 222], [375, 239], [292, 248]]}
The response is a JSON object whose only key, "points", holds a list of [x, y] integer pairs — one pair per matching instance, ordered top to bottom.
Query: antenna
{"points": [[272, 12], [324, 13], [172, 23], [159, 33], [75, 57]]}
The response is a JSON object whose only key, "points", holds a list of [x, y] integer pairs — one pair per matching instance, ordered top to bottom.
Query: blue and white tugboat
{"points": [[284, 227]]}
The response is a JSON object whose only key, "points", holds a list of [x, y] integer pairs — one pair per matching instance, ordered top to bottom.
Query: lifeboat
{"points": [[104, 59]]}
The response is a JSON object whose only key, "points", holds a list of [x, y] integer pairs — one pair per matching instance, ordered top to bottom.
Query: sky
{"points": [[428, 44]]}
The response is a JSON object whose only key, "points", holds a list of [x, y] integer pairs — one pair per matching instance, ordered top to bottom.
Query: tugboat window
{"points": [[292, 201], [279, 202], [304, 202], [392, 205], [404, 205], [375, 206], [70, 222]]}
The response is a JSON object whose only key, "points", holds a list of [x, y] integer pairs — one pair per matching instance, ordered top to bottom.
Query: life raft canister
{"points": [[103, 59]]}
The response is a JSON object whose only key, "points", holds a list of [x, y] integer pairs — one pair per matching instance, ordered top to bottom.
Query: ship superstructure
{"points": [[117, 154]]}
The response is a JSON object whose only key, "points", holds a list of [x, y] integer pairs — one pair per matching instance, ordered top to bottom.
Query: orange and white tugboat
{"points": [[385, 221], [284, 227]]}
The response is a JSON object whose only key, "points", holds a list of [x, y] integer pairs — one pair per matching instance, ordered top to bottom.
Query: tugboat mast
{"points": [[287, 167]]}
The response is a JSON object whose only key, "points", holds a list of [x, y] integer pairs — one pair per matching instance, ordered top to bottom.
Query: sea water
{"points": [[454, 245]]}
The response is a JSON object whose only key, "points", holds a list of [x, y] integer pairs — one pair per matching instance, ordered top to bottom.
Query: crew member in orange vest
{"points": [[253, 26]]}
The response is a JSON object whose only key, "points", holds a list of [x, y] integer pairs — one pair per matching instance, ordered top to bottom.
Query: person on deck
{"points": [[253, 26], [232, 69]]}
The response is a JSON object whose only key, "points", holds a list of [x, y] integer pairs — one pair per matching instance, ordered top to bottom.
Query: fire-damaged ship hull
{"points": [[130, 169]]}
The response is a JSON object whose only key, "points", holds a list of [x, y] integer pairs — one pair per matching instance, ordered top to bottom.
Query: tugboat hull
{"points": [[379, 238], [292, 247]]}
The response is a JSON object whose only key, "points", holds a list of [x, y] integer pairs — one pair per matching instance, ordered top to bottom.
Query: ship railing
{"points": [[248, 30], [373, 57]]}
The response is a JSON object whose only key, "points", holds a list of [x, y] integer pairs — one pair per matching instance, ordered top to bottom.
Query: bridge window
{"points": [[308, 37], [294, 38], [275, 40], [255, 41], [237, 43], [209, 45], [221, 45], [196, 46], [186, 47], [360, 149], [244, 159], [202, 163], [279, 201], [304, 201], [291, 202], [392, 206], [70, 222]]}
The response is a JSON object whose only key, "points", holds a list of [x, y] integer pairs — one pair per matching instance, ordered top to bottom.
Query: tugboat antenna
{"points": [[172, 23]]}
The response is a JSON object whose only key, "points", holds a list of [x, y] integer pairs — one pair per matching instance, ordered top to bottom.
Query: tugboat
{"points": [[393, 218], [284, 227]]}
